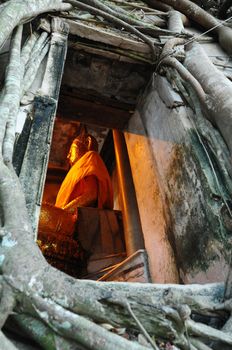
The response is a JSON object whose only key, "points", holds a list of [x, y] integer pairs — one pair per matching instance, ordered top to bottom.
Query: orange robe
{"points": [[90, 164]]}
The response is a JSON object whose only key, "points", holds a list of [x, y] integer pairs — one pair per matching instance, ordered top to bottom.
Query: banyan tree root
{"points": [[16, 12], [207, 21], [118, 22], [167, 58], [217, 87], [74, 309]]}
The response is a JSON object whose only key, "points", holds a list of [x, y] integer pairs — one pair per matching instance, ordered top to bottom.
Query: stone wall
{"points": [[179, 196]]}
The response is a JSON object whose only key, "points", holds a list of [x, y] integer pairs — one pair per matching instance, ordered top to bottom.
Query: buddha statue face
{"points": [[80, 146], [77, 150]]}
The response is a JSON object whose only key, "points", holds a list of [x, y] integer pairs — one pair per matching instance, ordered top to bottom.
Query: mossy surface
{"points": [[196, 197]]}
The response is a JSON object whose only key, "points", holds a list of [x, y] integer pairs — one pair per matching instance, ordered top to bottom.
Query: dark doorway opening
{"points": [[89, 243]]}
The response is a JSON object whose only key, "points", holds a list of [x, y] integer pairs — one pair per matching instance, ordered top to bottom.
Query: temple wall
{"points": [[178, 197], [162, 262]]}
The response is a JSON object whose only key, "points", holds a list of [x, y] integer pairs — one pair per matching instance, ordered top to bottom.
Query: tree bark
{"points": [[17, 11], [207, 21], [119, 22], [217, 87]]}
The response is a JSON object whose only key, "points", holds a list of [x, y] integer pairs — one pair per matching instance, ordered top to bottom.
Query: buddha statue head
{"points": [[83, 143]]}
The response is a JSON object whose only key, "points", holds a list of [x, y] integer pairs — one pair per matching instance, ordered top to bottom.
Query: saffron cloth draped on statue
{"points": [[89, 165]]}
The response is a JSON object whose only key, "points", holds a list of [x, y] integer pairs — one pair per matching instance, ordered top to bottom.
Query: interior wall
{"points": [[175, 187], [162, 262]]}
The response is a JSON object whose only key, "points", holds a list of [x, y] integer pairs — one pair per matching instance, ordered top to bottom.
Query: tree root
{"points": [[158, 5], [192, 11], [16, 12], [123, 15], [206, 20], [117, 22], [175, 22], [27, 48], [166, 59], [32, 70], [217, 86], [10, 99], [209, 134], [13, 202], [60, 298], [7, 303], [79, 328], [143, 330], [37, 331], [205, 332], [6, 344], [199, 345]]}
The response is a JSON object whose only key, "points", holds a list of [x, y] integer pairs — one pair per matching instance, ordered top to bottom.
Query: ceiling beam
{"points": [[90, 112]]}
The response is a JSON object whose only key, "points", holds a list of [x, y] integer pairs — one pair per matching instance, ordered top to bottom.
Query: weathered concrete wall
{"points": [[97, 76], [180, 199], [151, 205]]}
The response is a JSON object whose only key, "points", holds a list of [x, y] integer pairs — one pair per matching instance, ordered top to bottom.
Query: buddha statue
{"points": [[87, 184]]}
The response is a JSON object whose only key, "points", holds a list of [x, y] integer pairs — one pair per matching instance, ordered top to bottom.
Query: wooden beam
{"points": [[107, 37], [123, 56], [90, 112]]}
